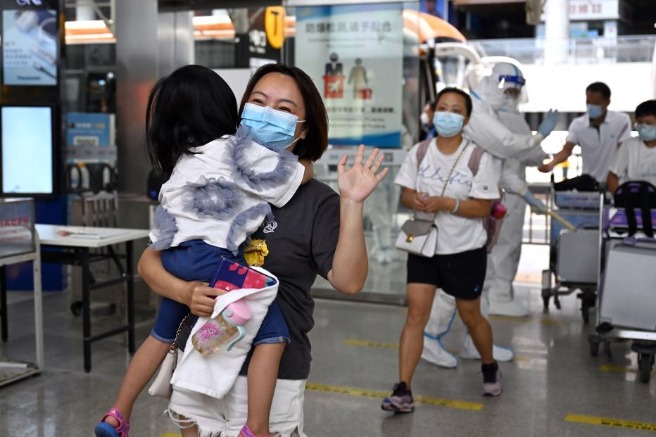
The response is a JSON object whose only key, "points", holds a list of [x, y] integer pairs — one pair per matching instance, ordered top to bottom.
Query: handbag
{"points": [[418, 237], [161, 385]]}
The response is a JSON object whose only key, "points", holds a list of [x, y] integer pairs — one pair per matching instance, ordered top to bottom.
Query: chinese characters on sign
{"points": [[593, 10], [349, 26], [354, 54]]}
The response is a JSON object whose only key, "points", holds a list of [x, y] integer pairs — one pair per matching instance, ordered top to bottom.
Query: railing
{"points": [[638, 48]]}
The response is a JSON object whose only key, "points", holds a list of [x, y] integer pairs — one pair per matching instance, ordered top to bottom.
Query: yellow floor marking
{"points": [[511, 319], [548, 322], [551, 322], [366, 343], [378, 344], [523, 358], [614, 368], [351, 391], [614, 423], [170, 434]]}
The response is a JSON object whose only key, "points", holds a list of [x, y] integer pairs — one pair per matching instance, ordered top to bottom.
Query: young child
{"points": [[635, 159], [217, 194]]}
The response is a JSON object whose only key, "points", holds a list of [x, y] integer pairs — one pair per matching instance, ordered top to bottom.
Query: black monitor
{"points": [[29, 158]]}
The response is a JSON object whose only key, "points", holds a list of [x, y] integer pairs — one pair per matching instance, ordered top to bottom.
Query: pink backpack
{"points": [[491, 224]]}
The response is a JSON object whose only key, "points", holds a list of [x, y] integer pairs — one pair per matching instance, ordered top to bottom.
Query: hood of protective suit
{"points": [[491, 88], [488, 91]]}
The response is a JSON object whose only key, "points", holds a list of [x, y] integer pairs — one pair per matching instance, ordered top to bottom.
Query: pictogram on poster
{"points": [[354, 54]]}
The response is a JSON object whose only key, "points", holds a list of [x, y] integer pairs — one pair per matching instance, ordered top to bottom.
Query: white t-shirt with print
{"points": [[634, 161], [455, 234]]}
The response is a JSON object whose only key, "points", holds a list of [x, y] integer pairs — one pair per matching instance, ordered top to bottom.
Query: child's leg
{"points": [[269, 344], [148, 357], [143, 366], [262, 376], [188, 431]]}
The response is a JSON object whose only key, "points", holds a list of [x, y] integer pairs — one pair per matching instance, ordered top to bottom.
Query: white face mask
{"points": [[509, 103], [595, 111], [448, 124], [646, 132]]}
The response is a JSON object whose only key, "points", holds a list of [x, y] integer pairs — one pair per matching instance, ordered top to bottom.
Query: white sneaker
{"points": [[511, 308], [469, 351], [434, 353]]}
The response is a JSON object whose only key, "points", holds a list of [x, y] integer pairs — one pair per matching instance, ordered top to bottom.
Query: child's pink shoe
{"points": [[104, 429], [246, 432]]}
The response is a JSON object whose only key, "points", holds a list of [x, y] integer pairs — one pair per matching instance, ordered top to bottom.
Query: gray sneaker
{"points": [[491, 379], [400, 401]]}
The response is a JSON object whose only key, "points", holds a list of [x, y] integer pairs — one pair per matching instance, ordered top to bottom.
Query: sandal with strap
{"points": [[104, 429], [246, 432]]}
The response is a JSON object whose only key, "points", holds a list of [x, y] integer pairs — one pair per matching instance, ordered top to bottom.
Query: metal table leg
{"points": [[129, 269], [3, 304], [86, 307], [38, 308]]}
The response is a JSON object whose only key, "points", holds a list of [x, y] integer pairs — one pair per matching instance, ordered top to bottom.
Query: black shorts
{"points": [[461, 275]]}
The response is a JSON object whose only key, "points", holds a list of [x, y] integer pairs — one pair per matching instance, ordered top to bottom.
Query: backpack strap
{"points": [[421, 151], [475, 159]]}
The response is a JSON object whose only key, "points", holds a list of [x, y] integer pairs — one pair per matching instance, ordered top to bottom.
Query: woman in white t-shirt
{"points": [[635, 159], [445, 183]]}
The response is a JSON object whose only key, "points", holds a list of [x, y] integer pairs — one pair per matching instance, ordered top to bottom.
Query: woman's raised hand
{"points": [[359, 181]]}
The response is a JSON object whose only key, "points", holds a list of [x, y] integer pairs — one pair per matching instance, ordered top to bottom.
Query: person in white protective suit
{"points": [[498, 127]]}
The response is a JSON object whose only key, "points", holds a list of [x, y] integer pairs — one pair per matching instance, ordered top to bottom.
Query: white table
{"points": [[76, 242]]}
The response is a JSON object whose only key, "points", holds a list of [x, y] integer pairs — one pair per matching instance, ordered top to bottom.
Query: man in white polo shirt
{"points": [[599, 133]]}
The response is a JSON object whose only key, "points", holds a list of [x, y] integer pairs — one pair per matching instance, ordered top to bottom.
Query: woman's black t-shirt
{"points": [[301, 242]]}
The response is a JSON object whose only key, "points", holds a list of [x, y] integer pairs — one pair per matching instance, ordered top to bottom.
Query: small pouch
{"points": [[418, 237]]}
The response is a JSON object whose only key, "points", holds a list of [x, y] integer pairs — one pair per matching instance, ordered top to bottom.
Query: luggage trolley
{"points": [[573, 249], [627, 297]]}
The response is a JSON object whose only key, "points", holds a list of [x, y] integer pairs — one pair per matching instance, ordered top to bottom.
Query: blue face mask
{"points": [[595, 111], [448, 124], [271, 128], [646, 132]]}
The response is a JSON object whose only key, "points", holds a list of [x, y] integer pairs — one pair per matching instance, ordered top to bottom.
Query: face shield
{"points": [[510, 86]]}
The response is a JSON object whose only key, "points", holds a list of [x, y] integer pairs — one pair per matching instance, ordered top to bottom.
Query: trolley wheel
{"points": [[76, 307], [594, 345], [645, 363]]}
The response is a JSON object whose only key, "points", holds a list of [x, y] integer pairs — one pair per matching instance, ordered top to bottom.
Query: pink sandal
{"points": [[104, 429], [246, 432]]}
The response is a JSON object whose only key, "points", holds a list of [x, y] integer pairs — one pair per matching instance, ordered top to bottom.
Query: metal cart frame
{"points": [[583, 213], [644, 342]]}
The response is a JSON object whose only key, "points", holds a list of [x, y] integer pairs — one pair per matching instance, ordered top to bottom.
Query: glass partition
{"points": [[365, 60]]}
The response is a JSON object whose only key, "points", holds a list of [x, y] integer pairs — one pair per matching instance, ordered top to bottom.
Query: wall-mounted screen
{"points": [[30, 47], [28, 150]]}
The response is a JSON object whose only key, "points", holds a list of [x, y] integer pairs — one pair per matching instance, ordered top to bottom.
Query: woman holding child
{"points": [[316, 232]]}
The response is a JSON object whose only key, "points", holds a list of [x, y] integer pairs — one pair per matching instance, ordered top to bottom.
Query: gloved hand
{"points": [[549, 123], [536, 204]]}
